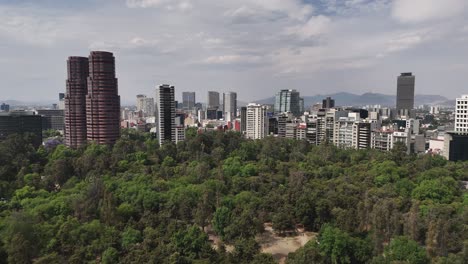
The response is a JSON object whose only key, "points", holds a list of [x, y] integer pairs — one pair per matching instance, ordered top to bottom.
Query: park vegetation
{"points": [[138, 202]]}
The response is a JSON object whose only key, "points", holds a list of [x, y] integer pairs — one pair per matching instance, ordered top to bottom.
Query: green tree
{"points": [[404, 249]]}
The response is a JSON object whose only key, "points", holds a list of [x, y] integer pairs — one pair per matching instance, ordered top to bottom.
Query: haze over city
{"points": [[252, 47]]}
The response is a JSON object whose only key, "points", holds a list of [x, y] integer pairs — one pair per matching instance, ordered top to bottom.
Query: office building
{"points": [[405, 94], [102, 100], [188, 100], [213, 100], [75, 101], [288, 101], [328, 103], [61, 104], [301, 105], [230, 106], [4, 108], [165, 114], [211, 114], [461, 115], [52, 119], [257, 121], [21, 122], [243, 123], [456, 146]]}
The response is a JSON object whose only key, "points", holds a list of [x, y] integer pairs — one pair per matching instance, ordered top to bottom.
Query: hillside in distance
{"points": [[350, 99]]}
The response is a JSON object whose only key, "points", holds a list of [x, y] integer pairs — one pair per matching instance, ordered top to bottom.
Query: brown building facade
{"points": [[102, 100], [75, 101]]}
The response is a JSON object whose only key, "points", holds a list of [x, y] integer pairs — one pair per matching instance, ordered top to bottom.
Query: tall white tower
{"points": [[257, 121]]}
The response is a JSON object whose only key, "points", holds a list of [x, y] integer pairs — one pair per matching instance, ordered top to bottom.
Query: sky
{"points": [[252, 47]]}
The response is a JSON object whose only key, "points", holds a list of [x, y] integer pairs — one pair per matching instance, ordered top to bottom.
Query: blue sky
{"points": [[253, 47]]}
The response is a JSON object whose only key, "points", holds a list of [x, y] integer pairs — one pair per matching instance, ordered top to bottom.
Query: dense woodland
{"points": [[141, 203]]}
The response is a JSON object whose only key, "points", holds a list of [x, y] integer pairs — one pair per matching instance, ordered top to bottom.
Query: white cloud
{"points": [[146, 3], [170, 5], [415, 11], [314, 27], [288, 39], [141, 42], [404, 42], [232, 59]]}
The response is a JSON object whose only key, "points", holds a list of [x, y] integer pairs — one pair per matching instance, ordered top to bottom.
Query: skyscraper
{"points": [[405, 93], [102, 100], [188, 100], [213, 100], [75, 101], [288, 101], [328, 103], [230, 105], [165, 113], [257, 121]]}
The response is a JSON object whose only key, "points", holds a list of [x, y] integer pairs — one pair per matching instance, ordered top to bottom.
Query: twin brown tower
{"points": [[92, 103]]}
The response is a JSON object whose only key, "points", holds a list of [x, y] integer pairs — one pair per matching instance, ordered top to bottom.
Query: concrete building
{"points": [[405, 94], [102, 100], [188, 100], [213, 100], [75, 101], [139, 101], [288, 101], [328, 103], [145, 105], [230, 106], [434, 110], [165, 114], [201, 115], [461, 115], [52, 119], [257, 121], [20, 122], [413, 125], [312, 131], [351, 132], [382, 140], [456, 146]]}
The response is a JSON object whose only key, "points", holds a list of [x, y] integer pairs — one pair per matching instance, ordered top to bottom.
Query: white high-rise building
{"points": [[139, 101], [145, 104], [230, 106], [165, 114], [461, 115], [257, 121]]}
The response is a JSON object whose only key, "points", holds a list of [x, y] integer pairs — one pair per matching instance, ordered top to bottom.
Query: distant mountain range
{"points": [[341, 99], [350, 99]]}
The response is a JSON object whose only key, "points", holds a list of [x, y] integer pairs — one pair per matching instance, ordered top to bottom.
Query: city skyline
{"points": [[250, 47]]}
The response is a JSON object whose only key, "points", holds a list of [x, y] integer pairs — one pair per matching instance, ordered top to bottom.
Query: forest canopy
{"points": [[137, 202]]}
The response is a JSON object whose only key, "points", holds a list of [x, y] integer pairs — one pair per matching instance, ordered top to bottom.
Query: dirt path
{"points": [[271, 243], [280, 246]]}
